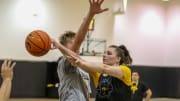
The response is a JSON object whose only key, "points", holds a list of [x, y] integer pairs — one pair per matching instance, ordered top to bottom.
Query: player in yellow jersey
{"points": [[112, 78]]}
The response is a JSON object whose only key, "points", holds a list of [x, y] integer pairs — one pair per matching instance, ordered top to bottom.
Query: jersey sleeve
{"points": [[67, 67], [126, 75], [95, 76], [145, 87]]}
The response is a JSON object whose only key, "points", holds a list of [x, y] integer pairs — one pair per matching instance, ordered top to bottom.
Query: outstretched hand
{"points": [[95, 6], [55, 44], [7, 69]]}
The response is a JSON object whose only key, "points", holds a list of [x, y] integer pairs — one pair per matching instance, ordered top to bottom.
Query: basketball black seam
{"points": [[48, 40], [35, 44], [44, 48]]}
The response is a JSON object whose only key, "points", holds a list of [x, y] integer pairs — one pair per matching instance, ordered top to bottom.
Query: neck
{"points": [[116, 64], [135, 81]]}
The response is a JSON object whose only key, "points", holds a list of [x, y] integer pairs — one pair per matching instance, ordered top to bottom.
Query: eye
{"points": [[109, 53]]}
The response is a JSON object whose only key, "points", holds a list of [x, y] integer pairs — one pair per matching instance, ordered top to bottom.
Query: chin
{"points": [[105, 62]]}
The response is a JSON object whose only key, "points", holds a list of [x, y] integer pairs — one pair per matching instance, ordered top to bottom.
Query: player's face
{"points": [[69, 43], [110, 57], [135, 76]]}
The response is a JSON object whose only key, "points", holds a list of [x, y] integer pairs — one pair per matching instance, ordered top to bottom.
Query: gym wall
{"points": [[31, 80]]}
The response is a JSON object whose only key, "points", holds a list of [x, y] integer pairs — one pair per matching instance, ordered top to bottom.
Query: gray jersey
{"points": [[86, 78], [71, 87]]}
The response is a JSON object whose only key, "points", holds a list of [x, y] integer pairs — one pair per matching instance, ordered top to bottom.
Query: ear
{"points": [[118, 60]]}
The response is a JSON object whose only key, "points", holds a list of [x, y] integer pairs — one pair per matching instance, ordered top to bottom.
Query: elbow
{"points": [[149, 93]]}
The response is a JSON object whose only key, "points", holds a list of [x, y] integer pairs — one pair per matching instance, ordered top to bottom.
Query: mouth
{"points": [[104, 60]]}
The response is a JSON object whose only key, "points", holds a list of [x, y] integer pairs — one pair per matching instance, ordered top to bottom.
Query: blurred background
{"points": [[149, 28]]}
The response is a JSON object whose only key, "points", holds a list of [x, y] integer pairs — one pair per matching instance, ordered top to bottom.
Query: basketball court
{"points": [[149, 28]]}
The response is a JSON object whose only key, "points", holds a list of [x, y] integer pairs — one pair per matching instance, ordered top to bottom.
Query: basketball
{"points": [[38, 43]]}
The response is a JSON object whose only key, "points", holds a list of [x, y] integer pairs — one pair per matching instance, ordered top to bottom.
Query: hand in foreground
{"points": [[7, 69]]}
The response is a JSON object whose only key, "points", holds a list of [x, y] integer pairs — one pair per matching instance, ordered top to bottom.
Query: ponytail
{"points": [[123, 53], [127, 58]]}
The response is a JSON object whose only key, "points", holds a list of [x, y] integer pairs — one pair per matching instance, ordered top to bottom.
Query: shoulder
{"points": [[59, 59], [125, 68], [126, 74], [143, 83]]}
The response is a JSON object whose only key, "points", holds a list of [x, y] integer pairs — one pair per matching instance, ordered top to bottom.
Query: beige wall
{"points": [[17, 20], [150, 29], [155, 42]]}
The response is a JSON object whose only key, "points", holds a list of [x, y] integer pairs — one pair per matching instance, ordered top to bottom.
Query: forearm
{"points": [[81, 34], [65, 51], [92, 66], [101, 68], [5, 90], [149, 94], [147, 98]]}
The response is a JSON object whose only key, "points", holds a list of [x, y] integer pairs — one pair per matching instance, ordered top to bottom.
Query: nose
{"points": [[104, 55]]}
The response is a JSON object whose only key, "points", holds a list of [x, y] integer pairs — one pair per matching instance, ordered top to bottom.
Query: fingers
{"points": [[96, 1], [101, 1], [90, 2], [95, 6], [106, 9], [103, 10], [52, 40], [53, 44], [53, 47], [73, 56], [70, 58], [74, 60], [77, 61], [8, 64], [3, 65], [13, 65], [7, 67]]}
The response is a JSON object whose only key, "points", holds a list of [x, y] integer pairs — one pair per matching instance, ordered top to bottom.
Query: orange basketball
{"points": [[38, 43]]}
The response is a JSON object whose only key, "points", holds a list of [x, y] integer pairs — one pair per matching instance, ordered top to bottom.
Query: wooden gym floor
{"points": [[29, 99]]}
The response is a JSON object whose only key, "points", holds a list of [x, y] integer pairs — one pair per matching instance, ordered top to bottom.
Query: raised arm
{"points": [[95, 8], [7, 76]]}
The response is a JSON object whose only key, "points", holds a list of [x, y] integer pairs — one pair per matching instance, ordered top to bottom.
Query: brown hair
{"points": [[65, 37], [123, 53]]}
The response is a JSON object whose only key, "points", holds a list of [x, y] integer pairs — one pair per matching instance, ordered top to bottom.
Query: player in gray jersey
{"points": [[72, 87]]}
